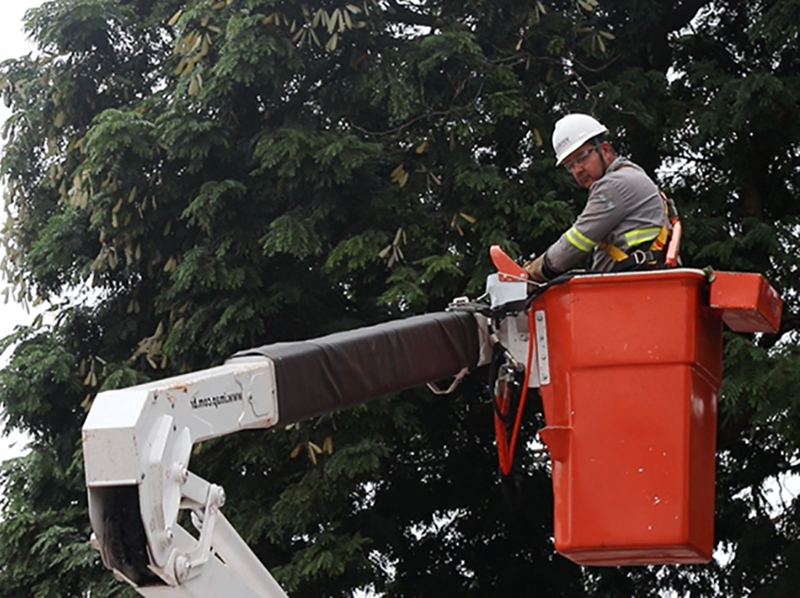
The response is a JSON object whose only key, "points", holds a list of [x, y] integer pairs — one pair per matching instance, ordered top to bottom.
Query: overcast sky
{"points": [[12, 44]]}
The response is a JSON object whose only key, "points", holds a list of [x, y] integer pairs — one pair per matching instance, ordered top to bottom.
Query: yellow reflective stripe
{"points": [[641, 235], [635, 237], [578, 240]]}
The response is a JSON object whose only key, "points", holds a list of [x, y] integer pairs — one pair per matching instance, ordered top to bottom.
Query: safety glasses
{"points": [[579, 159]]}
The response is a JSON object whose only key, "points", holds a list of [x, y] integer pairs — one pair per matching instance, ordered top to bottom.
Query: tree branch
{"points": [[425, 115]]}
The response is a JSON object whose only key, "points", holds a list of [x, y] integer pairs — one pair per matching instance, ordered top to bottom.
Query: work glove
{"points": [[534, 269]]}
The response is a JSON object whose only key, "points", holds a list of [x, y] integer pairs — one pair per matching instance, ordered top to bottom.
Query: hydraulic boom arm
{"points": [[137, 442]]}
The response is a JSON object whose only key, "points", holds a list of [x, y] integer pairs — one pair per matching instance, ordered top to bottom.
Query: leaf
{"points": [[335, 15], [174, 18], [314, 37], [331, 45], [195, 84], [397, 172], [399, 175], [468, 218], [170, 265]]}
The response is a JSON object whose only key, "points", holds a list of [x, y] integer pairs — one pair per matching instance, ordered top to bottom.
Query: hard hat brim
{"points": [[570, 150]]}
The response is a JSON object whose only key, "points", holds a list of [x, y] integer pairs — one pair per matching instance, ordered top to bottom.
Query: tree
{"points": [[226, 174]]}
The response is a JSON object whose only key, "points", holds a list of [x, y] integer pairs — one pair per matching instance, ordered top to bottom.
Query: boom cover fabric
{"points": [[348, 368]]}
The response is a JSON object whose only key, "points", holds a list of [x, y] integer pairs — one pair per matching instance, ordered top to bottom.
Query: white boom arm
{"points": [[137, 443]]}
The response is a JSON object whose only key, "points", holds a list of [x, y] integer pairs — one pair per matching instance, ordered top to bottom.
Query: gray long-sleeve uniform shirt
{"points": [[624, 209]]}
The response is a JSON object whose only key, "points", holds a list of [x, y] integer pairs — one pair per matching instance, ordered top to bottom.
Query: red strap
{"points": [[675, 243], [505, 448]]}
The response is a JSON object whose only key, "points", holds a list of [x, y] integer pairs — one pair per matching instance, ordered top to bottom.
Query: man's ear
{"points": [[608, 151]]}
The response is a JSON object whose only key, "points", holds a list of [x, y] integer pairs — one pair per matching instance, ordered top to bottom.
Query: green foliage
{"points": [[217, 175]]}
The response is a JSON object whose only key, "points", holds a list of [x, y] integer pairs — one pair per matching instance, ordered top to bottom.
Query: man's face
{"points": [[585, 163]]}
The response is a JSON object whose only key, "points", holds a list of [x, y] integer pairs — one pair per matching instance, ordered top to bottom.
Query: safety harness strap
{"points": [[644, 256]]}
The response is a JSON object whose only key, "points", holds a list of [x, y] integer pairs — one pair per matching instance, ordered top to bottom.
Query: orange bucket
{"points": [[631, 365]]}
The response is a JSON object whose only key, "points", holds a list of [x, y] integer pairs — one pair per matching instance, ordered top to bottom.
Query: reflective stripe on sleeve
{"points": [[641, 235], [579, 241]]}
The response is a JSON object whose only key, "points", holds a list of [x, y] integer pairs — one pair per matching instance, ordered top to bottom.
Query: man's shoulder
{"points": [[622, 165], [622, 172]]}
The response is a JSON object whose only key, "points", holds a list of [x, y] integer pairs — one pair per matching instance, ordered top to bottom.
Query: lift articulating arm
{"points": [[137, 442]]}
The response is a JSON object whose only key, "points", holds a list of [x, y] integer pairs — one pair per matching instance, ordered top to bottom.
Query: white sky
{"points": [[12, 44]]}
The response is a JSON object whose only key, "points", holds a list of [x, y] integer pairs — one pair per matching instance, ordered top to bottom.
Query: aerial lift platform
{"points": [[628, 366]]}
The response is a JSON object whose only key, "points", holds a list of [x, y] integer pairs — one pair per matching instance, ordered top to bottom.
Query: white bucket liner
{"points": [[502, 292]]}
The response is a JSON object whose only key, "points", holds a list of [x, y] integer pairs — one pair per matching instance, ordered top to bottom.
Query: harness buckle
{"points": [[639, 257]]}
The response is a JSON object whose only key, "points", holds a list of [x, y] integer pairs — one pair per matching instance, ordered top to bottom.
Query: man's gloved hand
{"points": [[534, 269]]}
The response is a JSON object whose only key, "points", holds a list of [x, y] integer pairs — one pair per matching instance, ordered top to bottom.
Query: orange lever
{"points": [[509, 269]]}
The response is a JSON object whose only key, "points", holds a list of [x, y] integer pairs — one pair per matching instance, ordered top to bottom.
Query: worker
{"points": [[626, 221]]}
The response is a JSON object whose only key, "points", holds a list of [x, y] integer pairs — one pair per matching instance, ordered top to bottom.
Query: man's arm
{"points": [[603, 212]]}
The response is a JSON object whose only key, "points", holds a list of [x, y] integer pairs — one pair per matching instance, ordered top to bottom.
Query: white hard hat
{"points": [[573, 131]]}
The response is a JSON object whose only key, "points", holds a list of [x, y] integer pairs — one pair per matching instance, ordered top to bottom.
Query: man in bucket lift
{"points": [[626, 222]]}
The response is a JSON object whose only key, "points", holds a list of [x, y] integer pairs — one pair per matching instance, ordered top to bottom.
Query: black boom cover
{"points": [[348, 368]]}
